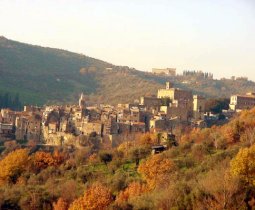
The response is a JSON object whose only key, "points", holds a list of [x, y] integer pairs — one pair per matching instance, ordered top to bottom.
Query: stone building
{"points": [[166, 71], [174, 93], [150, 102], [181, 102], [241, 102], [198, 107], [182, 113], [8, 116], [21, 125], [28, 126], [34, 127], [92, 127], [138, 127], [5, 129]]}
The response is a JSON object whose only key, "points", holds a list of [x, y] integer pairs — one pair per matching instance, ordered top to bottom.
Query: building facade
{"points": [[241, 102]]}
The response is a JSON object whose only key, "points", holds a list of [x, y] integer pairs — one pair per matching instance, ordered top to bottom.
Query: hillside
{"points": [[42, 75], [46, 75], [210, 168]]}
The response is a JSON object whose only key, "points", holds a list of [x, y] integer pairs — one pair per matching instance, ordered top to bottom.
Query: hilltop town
{"points": [[127, 105], [107, 126]]}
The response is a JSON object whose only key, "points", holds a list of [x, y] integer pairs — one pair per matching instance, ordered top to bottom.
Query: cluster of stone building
{"points": [[21, 125], [58, 125]]}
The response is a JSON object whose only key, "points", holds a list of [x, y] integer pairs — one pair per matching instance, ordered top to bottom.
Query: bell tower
{"points": [[82, 102]]}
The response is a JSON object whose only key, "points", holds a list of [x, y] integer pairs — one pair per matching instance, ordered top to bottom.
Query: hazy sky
{"points": [[210, 35]]}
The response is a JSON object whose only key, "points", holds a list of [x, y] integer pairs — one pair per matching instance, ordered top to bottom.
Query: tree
{"points": [[16, 103], [217, 105], [148, 139], [11, 146], [138, 153], [105, 157], [42, 160], [243, 165], [12, 166], [156, 170], [134, 189], [220, 189], [96, 197], [61, 204], [78, 204]]}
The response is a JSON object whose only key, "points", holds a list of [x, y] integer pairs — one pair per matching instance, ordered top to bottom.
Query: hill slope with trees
{"points": [[42, 75], [212, 168]]}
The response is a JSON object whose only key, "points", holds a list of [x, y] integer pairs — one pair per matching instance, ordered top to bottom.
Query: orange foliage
{"points": [[196, 135], [58, 157], [93, 159], [42, 160], [156, 170], [134, 189], [97, 197], [78, 204], [60, 205]]}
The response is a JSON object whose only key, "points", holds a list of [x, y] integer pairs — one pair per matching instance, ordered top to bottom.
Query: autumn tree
{"points": [[233, 131], [248, 136], [147, 139], [11, 146], [125, 147], [58, 157], [42, 160], [13, 165], [243, 165], [156, 170], [134, 189], [220, 189], [68, 190], [96, 197], [61, 204], [78, 204]]}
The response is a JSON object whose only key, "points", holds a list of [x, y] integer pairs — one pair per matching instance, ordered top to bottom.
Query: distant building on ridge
{"points": [[166, 71]]}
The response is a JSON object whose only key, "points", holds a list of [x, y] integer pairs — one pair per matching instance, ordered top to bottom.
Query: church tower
{"points": [[82, 102]]}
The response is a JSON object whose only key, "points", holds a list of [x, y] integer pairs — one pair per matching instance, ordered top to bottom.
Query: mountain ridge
{"points": [[48, 75]]}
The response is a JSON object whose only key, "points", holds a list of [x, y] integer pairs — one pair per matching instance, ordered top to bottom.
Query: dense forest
{"points": [[8, 101], [212, 168]]}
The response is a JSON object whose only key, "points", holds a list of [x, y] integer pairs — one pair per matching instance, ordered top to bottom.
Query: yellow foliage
{"points": [[148, 139], [125, 146], [243, 164], [13, 165], [78, 204]]}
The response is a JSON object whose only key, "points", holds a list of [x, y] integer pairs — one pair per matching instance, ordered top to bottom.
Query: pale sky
{"points": [[217, 36]]}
